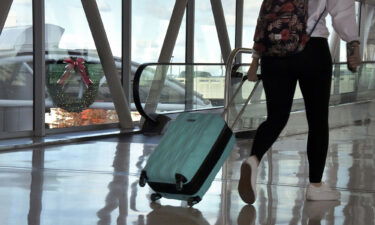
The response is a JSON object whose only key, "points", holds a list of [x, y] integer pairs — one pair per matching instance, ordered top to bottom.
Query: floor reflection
{"points": [[36, 187], [43, 187], [117, 196], [315, 211], [172, 215], [247, 215]]}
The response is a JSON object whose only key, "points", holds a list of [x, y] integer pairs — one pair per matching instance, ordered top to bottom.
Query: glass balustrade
{"points": [[181, 87], [201, 87]]}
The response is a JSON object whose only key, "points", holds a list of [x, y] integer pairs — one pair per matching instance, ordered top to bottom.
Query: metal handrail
{"points": [[228, 74], [137, 77]]}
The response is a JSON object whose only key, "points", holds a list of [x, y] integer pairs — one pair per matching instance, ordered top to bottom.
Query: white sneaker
{"points": [[247, 183], [322, 193]]}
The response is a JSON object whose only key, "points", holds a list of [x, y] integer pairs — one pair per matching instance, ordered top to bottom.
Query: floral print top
{"points": [[281, 27]]}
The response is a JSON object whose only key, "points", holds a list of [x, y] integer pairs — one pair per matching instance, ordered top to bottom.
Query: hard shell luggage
{"points": [[188, 157]]}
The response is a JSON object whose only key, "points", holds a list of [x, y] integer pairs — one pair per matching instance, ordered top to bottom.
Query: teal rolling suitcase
{"points": [[189, 156]]}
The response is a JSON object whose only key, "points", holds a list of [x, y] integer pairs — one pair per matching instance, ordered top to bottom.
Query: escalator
{"points": [[204, 87], [186, 88]]}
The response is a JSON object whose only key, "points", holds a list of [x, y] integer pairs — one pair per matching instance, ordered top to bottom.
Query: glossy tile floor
{"points": [[96, 182]]}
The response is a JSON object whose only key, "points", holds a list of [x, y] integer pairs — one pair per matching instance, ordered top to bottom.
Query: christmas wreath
{"points": [[73, 84]]}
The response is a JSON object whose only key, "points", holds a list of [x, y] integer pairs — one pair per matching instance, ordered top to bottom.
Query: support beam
{"points": [[4, 11], [221, 27], [239, 27], [172, 32], [190, 33], [127, 47], [166, 55], [106, 58], [39, 67]]}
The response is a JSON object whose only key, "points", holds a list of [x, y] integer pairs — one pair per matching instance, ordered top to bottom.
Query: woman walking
{"points": [[290, 50]]}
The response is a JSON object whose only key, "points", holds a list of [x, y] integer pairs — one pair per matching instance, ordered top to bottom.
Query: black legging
{"points": [[313, 70]]}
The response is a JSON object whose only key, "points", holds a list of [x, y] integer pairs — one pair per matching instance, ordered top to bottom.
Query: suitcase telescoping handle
{"points": [[228, 82], [227, 107]]}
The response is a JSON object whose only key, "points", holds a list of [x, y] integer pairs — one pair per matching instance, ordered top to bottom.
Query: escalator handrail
{"points": [[140, 69], [137, 78], [136, 97]]}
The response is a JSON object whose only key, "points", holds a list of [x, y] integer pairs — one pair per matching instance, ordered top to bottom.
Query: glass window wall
{"points": [[229, 7], [251, 12], [368, 14], [150, 22], [149, 27], [206, 42], [207, 46], [16, 69], [209, 81], [207, 91], [77, 93]]}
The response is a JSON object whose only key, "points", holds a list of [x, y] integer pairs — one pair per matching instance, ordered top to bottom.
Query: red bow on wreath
{"points": [[79, 66]]}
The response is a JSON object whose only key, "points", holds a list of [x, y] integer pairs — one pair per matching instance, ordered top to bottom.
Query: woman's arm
{"points": [[344, 19], [344, 23], [252, 72]]}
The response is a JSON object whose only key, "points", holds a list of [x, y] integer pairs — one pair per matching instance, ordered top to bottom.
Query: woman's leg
{"points": [[279, 83], [315, 83], [279, 87], [316, 92]]}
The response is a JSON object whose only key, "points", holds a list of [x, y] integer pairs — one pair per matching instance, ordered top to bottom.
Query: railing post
{"points": [[239, 27], [127, 48], [189, 70]]}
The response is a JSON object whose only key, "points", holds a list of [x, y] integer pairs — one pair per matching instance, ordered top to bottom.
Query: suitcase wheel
{"points": [[143, 179], [142, 182], [155, 197], [193, 200]]}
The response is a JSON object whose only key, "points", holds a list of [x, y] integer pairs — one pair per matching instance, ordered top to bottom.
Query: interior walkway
{"points": [[96, 182]]}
